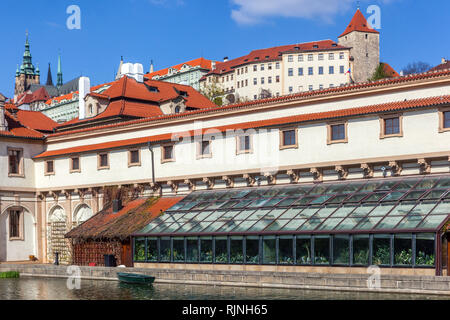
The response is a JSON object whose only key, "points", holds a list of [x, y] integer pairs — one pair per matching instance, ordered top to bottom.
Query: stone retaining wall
{"points": [[288, 280]]}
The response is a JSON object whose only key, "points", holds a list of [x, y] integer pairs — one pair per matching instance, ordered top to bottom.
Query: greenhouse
{"points": [[392, 222]]}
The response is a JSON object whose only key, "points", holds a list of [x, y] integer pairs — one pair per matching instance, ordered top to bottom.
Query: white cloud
{"points": [[257, 11]]}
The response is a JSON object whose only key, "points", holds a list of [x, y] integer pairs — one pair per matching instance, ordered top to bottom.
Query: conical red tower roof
{"points": [[358, 23]]}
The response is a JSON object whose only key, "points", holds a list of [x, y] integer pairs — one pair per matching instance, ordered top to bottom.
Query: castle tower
{"points": [[365, 44], [27, 74]]}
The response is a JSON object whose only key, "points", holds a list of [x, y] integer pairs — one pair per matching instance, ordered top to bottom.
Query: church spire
{"points": [[27, 65], [49, 76], [59, 81]]}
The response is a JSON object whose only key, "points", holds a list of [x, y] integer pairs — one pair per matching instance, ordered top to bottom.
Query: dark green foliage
{"points": [[10, 274]]}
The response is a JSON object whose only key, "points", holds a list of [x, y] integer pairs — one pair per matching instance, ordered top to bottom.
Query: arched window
{"points": [[91, 109], [177, 109], [82, 213]]}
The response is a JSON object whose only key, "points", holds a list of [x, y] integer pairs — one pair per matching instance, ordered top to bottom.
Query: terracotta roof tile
{"points": [[358, 23], [202, 62], [441, 67], [389, 71], [373, 109], [135, 215]]}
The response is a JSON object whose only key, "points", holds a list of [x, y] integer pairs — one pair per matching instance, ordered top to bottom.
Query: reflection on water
{"points": [[56, 289]]}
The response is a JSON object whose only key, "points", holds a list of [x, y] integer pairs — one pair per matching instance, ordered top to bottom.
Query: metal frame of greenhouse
{"points": [[407, 212]]}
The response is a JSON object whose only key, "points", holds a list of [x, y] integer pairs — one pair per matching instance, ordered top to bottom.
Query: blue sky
{"points": [[173, 31]]}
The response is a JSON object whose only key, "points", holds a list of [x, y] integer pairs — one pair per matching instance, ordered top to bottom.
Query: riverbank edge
{"points": [[429, 285]]}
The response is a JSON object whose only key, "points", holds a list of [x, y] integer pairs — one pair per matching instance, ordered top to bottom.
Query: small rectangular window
{"points": [[341, 55], [320, 56], [331, 56], [310, 57], [290, 58], [300, 58], [277, 65], [269, 66], [255, 67], [262, 67], [341, 69], [320, 70], [331, 70], [300, 71], [310, 71], [290, 72], [269, 79], [277, 79], [262, 80], [255, 81], [291, 89], [446, 119], [391, 126], [337, 133], [288, 138], [244, 144], [204, 149], [167, 153], [134, 157], [103, 161], [15, 162], [75, 164], [49, 167], [15, 225]]}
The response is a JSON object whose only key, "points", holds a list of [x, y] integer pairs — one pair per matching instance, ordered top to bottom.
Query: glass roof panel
{"points": [[393, 196], [383, 204], [402, 208], [442, 208], [382, 209], [344, 211], [325, 212], [291, 213], [244, 214], [389, 222], [432, 222], [368, 223], [279, 224], [294, 224], [311, 224], [330, 224], [348, 224], [260, 225]]}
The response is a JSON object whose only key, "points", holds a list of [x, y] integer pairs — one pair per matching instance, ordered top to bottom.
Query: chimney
{"points": [[225, 59], [213, 65], [151, 66], [401, 73], [84, 87], [3, 124], [116, 205]]}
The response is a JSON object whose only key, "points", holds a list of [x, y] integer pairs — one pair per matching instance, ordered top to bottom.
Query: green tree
{"points": [[379, 73], [213, 92]]}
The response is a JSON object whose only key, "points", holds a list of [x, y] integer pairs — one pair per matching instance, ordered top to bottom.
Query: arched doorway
{"points": [[82, 213], [56, 229], [17, 234]]}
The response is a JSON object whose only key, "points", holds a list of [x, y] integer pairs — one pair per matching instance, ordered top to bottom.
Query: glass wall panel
{"points": [[442, 208], [402, 209], [381, 210], [432, 222], [330, 223], [368, 223], [311, 224], [348, 224], [277, 225], [139, 249], [152, 249], [164, 249], [178, 249], [206, 249], [303, 249], [341, 249], [403, 249], [192, 250], [221, 250], [237, 250], [252, 250], [269, 250], [286, 250], [322, 250], [361, 250], [381, 250], [425, 253]]}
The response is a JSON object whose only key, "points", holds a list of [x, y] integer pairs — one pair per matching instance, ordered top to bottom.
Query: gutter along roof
{"points": [[303, 96], [386, 107]]}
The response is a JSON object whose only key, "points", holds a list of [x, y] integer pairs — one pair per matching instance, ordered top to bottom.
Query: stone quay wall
{"points": [[389, 283]]}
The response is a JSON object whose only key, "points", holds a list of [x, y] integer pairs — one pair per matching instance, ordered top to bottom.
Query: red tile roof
{"points": [[358, 23], [274, 53], [202, 62], [442, 67], [389, 71], [69, 96], [303, 96], [133, 99], [373, 109], [32, 119], [135, 215]]}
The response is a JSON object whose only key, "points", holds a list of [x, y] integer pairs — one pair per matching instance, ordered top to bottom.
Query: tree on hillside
{"points": [[416, 67], [379, 73], [213, 92]]}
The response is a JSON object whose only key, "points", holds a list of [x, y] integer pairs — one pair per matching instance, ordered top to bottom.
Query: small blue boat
{"points": [[135, 278]]}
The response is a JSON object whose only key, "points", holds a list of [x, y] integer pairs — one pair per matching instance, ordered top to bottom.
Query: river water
{"points": [[56, 289]]}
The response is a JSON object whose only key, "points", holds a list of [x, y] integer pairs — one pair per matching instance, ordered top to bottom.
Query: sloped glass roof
{"points": [[386, 205]]}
